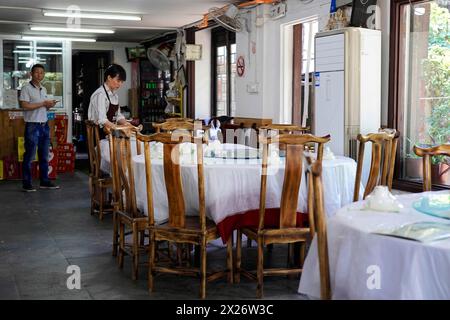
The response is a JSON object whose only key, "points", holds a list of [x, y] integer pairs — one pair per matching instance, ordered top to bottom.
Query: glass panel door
{"points": [[424, 85]]}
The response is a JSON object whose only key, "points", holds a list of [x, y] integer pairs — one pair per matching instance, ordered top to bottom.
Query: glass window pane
{"points": [[20, 56], [233, 80], [221, 81], [424, 85]]}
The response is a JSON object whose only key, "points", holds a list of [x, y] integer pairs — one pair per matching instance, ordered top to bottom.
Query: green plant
{"points": [[436, 76]]}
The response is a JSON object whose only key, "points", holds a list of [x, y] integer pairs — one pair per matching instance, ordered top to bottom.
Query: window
{"points": [[19, 57], [303, 71], [224, 72], [420, 85]]}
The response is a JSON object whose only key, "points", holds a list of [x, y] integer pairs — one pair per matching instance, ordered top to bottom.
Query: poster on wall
{"points": [[363, 13]]}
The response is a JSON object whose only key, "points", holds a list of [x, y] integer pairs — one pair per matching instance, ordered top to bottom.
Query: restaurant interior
{"points": [[272, 149]]}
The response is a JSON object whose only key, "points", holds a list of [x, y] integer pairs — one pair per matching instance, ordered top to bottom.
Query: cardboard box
{"points": [[21, 149]]}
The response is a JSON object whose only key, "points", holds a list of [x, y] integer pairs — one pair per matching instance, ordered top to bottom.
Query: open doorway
{"points": [[88, 68], [297, 81]]}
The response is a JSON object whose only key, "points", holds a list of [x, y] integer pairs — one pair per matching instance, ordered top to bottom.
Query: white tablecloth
{"points": [[233, 186], [408, 269]]}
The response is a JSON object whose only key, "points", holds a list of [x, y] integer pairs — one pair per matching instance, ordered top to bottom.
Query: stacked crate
{"points": [[65, 153]]}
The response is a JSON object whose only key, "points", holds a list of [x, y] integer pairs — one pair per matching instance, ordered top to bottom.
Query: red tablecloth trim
{"points": [[250, 219]]}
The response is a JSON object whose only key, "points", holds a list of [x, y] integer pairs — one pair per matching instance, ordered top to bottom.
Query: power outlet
{"points": [[252, 88]]}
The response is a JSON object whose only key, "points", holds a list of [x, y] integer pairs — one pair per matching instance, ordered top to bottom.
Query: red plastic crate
{"points": [[65, 147], [12, 168]]}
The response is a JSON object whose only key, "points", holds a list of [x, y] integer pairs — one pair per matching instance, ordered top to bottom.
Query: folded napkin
{"points": [[382, 200]]}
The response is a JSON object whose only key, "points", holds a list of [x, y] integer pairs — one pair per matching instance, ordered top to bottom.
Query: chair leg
{"points": [[92, 193], [101, 200], [115, 234], [142, 239], [121, 243], [302, 253], [180, 254], [289, 255], [291, 259], [230, 260], [151, 261], [203, 268], [259, 269], [134, 272], [237, 273]]}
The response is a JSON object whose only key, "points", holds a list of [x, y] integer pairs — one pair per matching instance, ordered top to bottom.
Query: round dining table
{"points": [[232, 185], [371, 256]]}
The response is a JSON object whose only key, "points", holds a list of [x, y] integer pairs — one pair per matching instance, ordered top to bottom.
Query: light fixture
{"points": [[90, 15], [77, 30], [57, 39], [39, 48], [22, 51], [50, 52]]}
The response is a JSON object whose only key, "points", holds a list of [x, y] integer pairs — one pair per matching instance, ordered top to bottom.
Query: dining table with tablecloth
{"points": [[232, 184], [365, 263]]}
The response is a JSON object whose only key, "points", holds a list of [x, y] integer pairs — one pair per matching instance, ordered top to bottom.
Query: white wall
{"points": [[119, 57], [264, 66], [203, 76]]}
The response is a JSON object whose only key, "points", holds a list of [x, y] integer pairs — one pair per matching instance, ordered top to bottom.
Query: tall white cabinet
{"points": [[348, 86]]}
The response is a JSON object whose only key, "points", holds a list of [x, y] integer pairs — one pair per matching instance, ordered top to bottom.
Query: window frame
{"points": [[221, 37], [395, 112]]}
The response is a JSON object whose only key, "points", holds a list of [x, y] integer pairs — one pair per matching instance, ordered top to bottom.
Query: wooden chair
{"points": [[179, 120], [172, 126], [286, 128], [384, 148], [426, 154], [99, 182], [116, 187], [316, 204], [126, 213], [288, 229], [193, 230]]}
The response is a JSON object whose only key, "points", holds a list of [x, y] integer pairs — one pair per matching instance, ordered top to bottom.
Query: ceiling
{"points": [[158, 16]]}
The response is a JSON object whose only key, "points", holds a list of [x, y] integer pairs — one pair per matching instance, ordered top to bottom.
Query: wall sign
{"points": [[363, 13], [240, 66]]}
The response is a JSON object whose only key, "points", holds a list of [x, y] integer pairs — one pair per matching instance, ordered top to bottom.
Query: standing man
{"points": [[33, 99]]}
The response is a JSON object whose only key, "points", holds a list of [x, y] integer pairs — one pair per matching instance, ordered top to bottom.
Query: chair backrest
{"points": [[179, 120], [171, 126], [285, 128], [93, 140], [384, 148], [426, 154], [122, 170], [293, 172], [172, 176], [117, 187], [317, 205]]}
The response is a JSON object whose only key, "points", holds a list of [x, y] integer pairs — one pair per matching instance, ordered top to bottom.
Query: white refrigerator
{"points": [[347, 87]]}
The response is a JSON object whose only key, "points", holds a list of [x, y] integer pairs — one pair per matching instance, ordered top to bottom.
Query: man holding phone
{"points": [[33, 99]]}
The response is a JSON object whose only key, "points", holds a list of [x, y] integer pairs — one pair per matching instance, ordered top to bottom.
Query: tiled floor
{"points": [[44, 232]]}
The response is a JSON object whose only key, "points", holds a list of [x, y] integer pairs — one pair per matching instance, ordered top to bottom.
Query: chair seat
{"points": [[140, 219], [190, 232], [275, 235]]}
